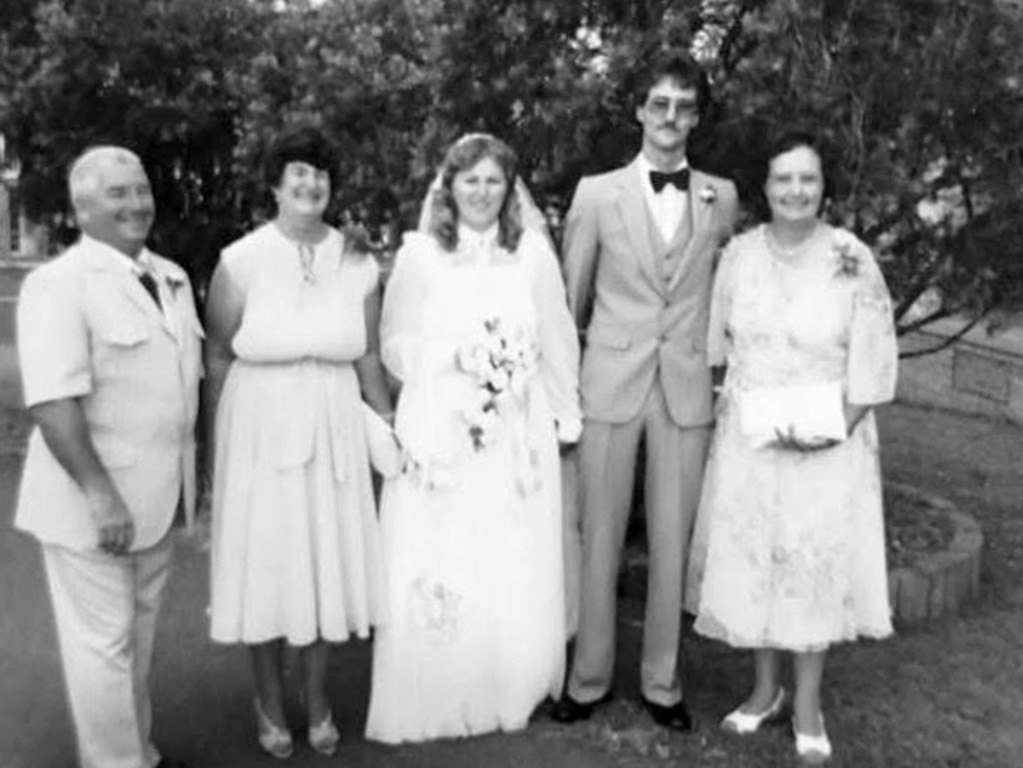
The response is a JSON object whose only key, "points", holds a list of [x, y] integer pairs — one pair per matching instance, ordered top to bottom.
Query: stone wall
{"points": [[981, 373]]}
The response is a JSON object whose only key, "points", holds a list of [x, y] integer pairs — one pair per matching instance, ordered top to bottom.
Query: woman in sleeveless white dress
{"points": [[292, 316], [471, 530]]}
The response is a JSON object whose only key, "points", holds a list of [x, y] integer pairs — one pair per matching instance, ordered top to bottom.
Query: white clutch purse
{"points": [[810, 411], [384, 451]]}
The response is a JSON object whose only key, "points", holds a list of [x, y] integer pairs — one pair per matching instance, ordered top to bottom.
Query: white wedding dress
{"points": [[472, 536]]}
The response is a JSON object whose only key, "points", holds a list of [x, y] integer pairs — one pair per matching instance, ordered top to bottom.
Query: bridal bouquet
{"points": [[502, 361]]}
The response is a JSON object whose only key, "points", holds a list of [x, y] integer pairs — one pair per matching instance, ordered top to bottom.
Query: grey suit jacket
{"points": [[643, 304]]}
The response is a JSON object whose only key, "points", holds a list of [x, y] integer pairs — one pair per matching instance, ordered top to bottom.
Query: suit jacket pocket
{"points": [[126, 334], [607, 337], [121, 352]]}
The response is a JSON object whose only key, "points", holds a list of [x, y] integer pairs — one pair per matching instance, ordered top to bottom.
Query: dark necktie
{"points": [[679, 178], [149, 283]]}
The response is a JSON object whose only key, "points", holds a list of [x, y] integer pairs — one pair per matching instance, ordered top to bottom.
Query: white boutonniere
{"points": [[708, 194]]}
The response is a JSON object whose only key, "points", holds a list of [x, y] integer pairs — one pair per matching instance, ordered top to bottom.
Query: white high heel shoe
{"points": [[744, 723], [324, 737], [274, 739], [812, 750]]}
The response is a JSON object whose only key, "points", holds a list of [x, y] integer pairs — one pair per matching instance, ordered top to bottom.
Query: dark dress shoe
{"points": [[568, 710], [675, 716]]}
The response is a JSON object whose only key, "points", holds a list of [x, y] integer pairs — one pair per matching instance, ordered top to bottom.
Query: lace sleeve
{"points": [[721, 306], [402, 314], [559, 343], [873, 350]]}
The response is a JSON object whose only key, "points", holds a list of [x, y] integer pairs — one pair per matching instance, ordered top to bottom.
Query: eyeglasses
{"points": [[662, 107]]}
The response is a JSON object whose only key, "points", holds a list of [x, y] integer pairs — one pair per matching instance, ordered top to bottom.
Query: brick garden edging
{"points": [[942, 582]]}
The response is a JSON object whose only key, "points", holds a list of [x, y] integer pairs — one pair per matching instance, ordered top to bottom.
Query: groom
{"points": [[639, 253]]}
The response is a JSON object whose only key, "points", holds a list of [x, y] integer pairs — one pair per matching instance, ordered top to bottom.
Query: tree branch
{"points": [[920, 284], [938, 314], [947, 342]]}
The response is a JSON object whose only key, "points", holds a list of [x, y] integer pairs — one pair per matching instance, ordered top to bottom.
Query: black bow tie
{"points": [[679, 178]]}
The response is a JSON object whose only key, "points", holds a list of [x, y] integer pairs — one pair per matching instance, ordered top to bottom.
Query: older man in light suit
{"points": [[639, 250], [109, 346]]}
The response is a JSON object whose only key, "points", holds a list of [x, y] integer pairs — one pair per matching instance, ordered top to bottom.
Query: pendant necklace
{"points": [[307, 258]]}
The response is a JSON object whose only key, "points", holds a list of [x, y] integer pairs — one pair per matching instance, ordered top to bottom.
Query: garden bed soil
{"points": [[914, 528]]}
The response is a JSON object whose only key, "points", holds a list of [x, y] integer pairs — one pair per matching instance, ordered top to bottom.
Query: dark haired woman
{"points": [[292, 319], [476, 327], [789, 537]]}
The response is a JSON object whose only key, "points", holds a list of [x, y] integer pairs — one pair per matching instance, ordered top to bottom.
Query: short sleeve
{"points": [[238, 263], [721, 305], [52, 337], [873, 349]]}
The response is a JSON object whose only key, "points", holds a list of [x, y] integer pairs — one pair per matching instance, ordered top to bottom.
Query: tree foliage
{"points": [[160, 84], [921, 98]]}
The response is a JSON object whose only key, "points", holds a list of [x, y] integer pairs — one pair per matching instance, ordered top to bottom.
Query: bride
{"points": [[476, 327]]}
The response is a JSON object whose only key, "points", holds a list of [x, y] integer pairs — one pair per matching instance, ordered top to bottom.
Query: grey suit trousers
{"points": [[675, 458]]}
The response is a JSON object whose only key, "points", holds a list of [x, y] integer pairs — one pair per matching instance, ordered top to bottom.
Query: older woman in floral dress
{"points": [[788, 552]]}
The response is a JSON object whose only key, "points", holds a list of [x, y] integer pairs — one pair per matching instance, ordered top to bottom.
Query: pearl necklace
{"points": [[789, 255]]}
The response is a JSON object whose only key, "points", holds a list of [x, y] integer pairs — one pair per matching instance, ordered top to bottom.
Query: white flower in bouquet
{"points": [[494, 344], [472, 359], [501, 363], [498, 379], [518, 382], [483, 399], [489, 420], [484, 424]]}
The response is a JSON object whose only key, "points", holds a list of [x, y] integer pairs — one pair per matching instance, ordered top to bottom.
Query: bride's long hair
{"points": [[463, 155]]}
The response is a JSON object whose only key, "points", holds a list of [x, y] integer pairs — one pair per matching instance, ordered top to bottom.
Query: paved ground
{"points": [[953, 675]]}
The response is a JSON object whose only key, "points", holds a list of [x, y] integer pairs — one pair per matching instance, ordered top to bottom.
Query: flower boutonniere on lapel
{"points": [[707, 194], [847, 266], [174, 284]]}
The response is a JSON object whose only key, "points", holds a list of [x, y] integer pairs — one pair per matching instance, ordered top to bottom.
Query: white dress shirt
{"points": [[666, 206]]}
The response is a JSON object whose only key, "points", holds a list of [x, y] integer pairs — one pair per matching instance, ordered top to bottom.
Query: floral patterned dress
{"points": [[472, 531], [788, 550]]}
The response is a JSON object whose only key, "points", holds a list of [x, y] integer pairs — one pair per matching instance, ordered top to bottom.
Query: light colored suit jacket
{"points": [[643, 304], [88, 330]]}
